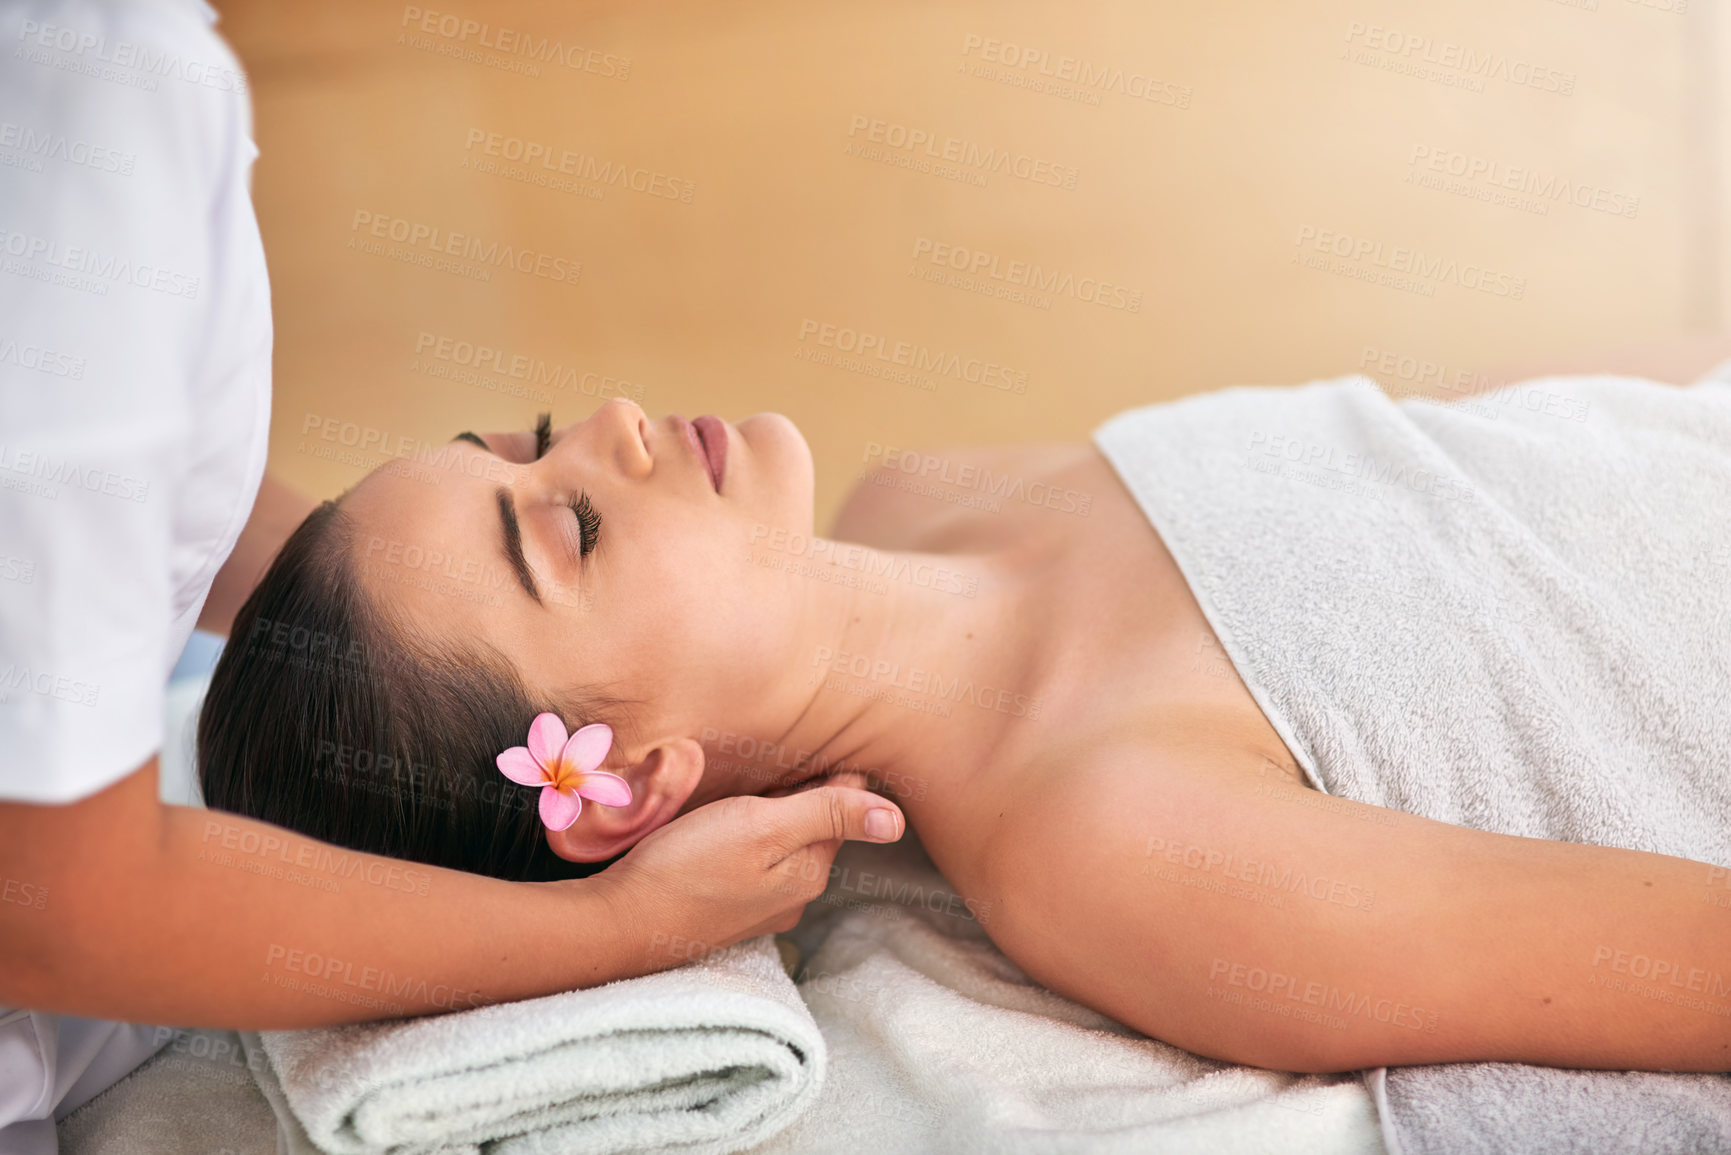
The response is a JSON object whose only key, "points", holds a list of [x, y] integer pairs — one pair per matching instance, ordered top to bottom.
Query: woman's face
{"points": [[645, 591]]}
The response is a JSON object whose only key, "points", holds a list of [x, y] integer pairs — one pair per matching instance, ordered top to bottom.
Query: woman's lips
{"points": [[712, 435], [707, 437]]}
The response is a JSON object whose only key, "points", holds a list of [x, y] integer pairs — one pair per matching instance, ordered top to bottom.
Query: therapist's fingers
{"points": [[834, 813], [739, 866]]}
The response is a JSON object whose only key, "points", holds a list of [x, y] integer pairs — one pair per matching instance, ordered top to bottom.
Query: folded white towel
{"points": [[940, 1045], [705, 1059]]}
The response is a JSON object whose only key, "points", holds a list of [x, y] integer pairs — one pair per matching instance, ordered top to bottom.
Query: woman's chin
{"points": [[772, 428], [782, 457]]}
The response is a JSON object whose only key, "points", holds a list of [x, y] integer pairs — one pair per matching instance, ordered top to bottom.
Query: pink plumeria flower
{"points": [[565, 769]]}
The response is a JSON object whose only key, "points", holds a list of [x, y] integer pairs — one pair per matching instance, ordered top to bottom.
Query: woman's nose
{"points": [[620, 432]]}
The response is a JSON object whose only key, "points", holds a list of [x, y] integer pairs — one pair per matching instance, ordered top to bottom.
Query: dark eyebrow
{"points": [[467, 436], [514, 544]]}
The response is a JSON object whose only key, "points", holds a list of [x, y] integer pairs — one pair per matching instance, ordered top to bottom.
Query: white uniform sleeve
{"points": [[124, 147]]}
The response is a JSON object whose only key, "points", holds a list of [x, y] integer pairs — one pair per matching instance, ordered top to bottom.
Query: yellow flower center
{"points": [[562, 776]]}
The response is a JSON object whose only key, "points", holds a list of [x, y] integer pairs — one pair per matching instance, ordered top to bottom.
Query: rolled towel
{"points": [[704, 1059]]}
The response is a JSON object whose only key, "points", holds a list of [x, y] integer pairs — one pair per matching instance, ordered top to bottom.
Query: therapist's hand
{"points": [[737, 868]]}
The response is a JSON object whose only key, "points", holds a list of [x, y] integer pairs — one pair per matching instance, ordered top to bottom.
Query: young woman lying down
{"points": [[1304, 772]]}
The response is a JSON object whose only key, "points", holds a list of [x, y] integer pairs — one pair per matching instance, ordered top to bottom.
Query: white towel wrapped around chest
{"points": [[1511, 613], [1520, 623]]}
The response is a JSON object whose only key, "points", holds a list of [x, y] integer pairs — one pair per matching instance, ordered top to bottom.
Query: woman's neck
{"points": [[908, 667]]}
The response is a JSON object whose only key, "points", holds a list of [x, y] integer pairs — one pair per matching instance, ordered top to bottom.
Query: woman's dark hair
{"points": [[329, 716]]}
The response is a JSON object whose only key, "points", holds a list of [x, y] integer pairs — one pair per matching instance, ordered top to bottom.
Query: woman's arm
{"points": [[119, 907], [1246, 918]]}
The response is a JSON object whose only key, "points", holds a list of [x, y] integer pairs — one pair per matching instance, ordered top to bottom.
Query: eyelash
{"points": [[588, 521], [588, 524]]}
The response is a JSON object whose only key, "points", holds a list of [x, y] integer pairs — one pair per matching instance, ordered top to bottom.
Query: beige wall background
{"points": [[1253, 182]]}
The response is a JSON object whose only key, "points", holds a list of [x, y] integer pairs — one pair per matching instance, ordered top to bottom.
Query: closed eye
{"points": [[543, 434], [588, 520], [588, 524]]}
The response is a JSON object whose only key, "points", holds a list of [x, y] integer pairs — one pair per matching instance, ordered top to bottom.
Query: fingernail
{"points": [[881, 825]]}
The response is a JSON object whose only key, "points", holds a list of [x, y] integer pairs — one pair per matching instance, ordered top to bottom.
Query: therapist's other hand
{"points": [[739, 867]]}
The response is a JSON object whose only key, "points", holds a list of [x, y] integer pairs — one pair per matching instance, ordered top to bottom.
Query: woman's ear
{"points": [[660, 783]]}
